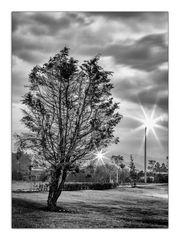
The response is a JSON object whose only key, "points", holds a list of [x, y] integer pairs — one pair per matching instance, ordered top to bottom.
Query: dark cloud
{"points": [[128, 15], [135, 20], [39, 23], [45, 23], [52, 24], [21, 42], [29, 49], [145, 54], [30, 56], [160, 79], [147, 92], [152, 96]]}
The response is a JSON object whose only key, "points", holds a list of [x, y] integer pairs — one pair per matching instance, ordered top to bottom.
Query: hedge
{"points": [[70, 186], [88, 186]]}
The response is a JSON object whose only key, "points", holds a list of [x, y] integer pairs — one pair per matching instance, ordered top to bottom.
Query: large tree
{"points": [[69, 112]]}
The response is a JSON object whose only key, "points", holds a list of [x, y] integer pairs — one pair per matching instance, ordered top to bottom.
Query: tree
{"points": [[69, 112], [118, 160], [167, 162], [151, 165], [157, 167], [163, 168], [133, 174]]}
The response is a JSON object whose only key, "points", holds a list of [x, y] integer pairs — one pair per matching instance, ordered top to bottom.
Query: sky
{"points": [[134, 45]]}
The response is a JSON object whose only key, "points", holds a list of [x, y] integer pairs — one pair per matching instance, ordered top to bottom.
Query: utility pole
{"points": [[145, 174], [117, 177]]}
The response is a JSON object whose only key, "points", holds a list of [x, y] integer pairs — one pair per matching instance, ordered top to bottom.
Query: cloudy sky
{"points": [[134, 45]]}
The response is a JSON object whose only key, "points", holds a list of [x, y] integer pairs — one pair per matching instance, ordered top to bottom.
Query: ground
{"points": [[123, 207]]}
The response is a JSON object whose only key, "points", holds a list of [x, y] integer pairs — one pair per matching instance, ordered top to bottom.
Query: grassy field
{"points": [[124, 207]]}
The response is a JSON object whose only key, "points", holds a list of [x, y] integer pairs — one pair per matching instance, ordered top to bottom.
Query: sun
{"points": [[100, 156]]}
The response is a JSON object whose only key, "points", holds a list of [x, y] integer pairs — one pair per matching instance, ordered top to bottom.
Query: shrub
{"points": [[18, 176], [161, 178], [41, 186], [88, 186]]}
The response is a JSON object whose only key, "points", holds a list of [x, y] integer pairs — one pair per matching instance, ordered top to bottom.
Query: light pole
{"points": [[149, 123], [145, 175], [117, 176]]}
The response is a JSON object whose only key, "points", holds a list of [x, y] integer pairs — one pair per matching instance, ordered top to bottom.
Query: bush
{"points": [[17, 176], [44, 176], [161, 178], [41, 186], [73, 186], [88, 186]]}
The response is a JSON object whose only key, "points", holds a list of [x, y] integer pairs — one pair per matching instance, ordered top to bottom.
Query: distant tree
{"points": [[69, 112], [118, 160], [167, 162], [151, 165], [157, 167], [163, 167], [90, 169], [112, 172], [105, 173], [101, 174], [133, 174], [124, 175], [140, 175]]}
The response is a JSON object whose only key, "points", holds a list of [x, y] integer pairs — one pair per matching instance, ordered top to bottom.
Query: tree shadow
{"points": [[20, 205]]}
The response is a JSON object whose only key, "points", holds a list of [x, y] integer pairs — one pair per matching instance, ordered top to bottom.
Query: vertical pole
{"points": [[145, 175], [117, 176]]}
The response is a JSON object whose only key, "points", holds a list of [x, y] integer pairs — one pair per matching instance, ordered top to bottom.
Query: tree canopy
{"points": [[69, 110]]}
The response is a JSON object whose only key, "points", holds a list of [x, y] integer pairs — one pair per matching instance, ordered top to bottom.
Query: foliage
{"points": [[69, 112], [118, 160], [151, 165], [156, 167], [105, 173], [100, 174], [17, 175], [124, 175], [44, 176], [161, 178], [88, 186]]}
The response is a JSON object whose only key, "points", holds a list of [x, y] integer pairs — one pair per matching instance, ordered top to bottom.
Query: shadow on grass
{"points": [[27, 206], [116, 214]]}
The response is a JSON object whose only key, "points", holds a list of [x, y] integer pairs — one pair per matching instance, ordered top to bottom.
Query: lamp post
{"points": [[148, 123], [145, 174], [117, 176]]}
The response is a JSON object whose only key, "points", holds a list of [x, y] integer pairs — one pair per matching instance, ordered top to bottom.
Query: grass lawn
{"points": [[143, 207]]}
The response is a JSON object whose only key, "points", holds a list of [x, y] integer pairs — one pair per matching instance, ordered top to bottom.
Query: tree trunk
{"points": [[58, 177]]}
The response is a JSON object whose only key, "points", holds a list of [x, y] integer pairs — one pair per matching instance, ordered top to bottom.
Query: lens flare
{"points": [[151, 121], [100, 156]]}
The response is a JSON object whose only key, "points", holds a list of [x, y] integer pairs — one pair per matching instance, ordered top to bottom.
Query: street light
{"points": [[149, 124], [145, 174]]}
